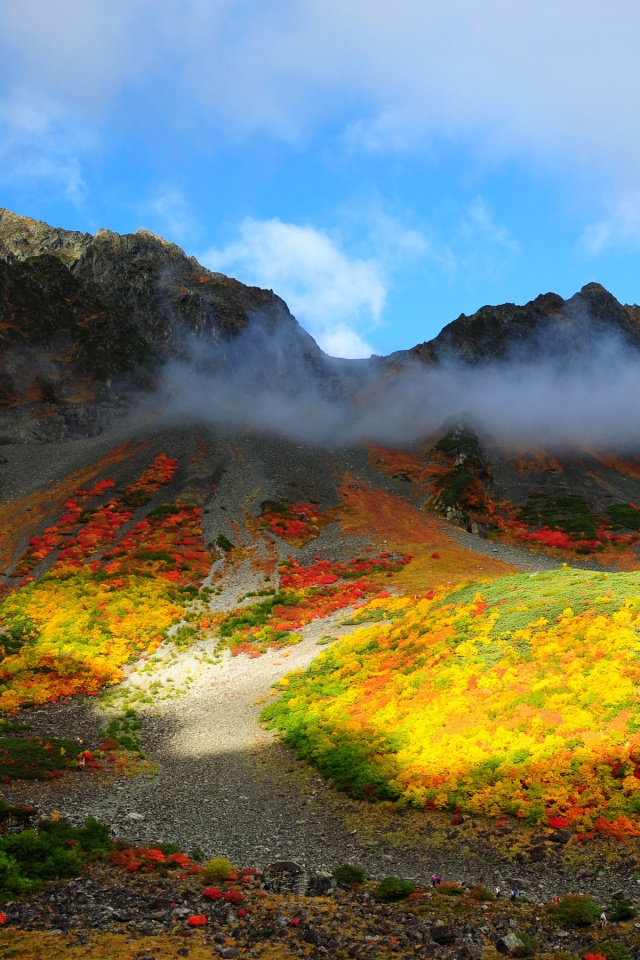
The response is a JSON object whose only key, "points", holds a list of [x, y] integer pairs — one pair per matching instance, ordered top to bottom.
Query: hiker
{"points": [[438, 879], [434, 880], [498, 893], [514, 896], [556, 899], [603, 919]]}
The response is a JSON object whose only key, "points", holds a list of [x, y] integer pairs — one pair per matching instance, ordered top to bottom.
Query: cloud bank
{"points": [[546, 79], [586, 398]]}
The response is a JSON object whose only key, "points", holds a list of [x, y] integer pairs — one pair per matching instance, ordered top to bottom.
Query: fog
{"points": [[575, 392]]}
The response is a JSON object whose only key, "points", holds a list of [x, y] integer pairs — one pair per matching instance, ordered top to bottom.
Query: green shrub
{"points": [[624, 515], [224, 543], [122, 731], [36, 758], [167, 848], [58, 851], [219, 869], [347, 874], [395, 888], [574, 909], [621, 910], [529, 946], [613, 950]]}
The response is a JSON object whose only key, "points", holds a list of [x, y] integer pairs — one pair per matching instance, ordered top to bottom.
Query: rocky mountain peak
{"points": [[88, 318], [546, 325]]}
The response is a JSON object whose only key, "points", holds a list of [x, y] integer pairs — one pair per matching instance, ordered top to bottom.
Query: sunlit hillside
{"points": [[520, 697]]}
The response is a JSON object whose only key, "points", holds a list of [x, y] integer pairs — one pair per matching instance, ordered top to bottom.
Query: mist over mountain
{"points": [[93, 326]]}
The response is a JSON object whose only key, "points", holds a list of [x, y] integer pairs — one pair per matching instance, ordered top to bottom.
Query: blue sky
{"points": [[383, 165]]}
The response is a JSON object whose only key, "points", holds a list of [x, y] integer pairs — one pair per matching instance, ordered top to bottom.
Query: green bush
{"points": [[624, 515], [224, 543], [123, 731], [36, 758], [58, 851], [219, 869], [347, 874], [395, 888], [574, 909], [621, 910], [529, 945], [613, 950]]}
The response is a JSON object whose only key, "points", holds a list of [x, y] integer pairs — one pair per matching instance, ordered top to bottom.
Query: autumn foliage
{"points": [[102, 601], [519, 697]]}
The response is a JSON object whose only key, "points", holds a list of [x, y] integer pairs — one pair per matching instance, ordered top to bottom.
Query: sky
{"points": [[383, 165]]}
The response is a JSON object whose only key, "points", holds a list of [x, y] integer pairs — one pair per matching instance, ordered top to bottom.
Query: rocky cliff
{"points": [[86, 320], [541, 327]]}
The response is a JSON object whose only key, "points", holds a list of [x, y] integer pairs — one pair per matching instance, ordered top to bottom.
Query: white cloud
{"points": [[546, 78], [38, 142], [169, 212], [481, 225], [620, 229], [477, 246], [335, 296]]}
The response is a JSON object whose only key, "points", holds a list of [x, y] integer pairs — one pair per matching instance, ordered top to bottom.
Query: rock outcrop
{"points": [[87, 320], [548, 323]]}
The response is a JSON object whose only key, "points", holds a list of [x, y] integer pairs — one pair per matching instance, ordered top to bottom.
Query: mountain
{"points": [[86, 320], [88, 324], [509, 332], [159, 574]]}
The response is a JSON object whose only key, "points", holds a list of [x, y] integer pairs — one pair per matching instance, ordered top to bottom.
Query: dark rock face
{"points": [[86, 320], [510, 332], [444, 933]]}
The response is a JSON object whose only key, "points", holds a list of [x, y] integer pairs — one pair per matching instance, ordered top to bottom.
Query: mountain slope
{"points": [[86, 321], [537, 329]]}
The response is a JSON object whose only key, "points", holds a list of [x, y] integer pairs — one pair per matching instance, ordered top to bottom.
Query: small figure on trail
{"points": [[81, 762], [112, 833], [438, 879], [434, 880], [498, 893], [514, 896], [556, 899], [603, 919]]}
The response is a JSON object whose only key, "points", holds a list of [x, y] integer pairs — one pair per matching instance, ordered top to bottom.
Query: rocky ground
{"points": [[267, 921]]}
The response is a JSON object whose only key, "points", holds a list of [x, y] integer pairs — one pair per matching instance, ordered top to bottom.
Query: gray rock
{"points": [[560, 836], [285, 876], [444, 933], [509, 943], [470, 951], [228, 953]]}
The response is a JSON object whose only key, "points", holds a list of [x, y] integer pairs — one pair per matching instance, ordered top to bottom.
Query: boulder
{"points": [[536, 854], [285, 876], [444, 933], [509, 943], [470, 951]]}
